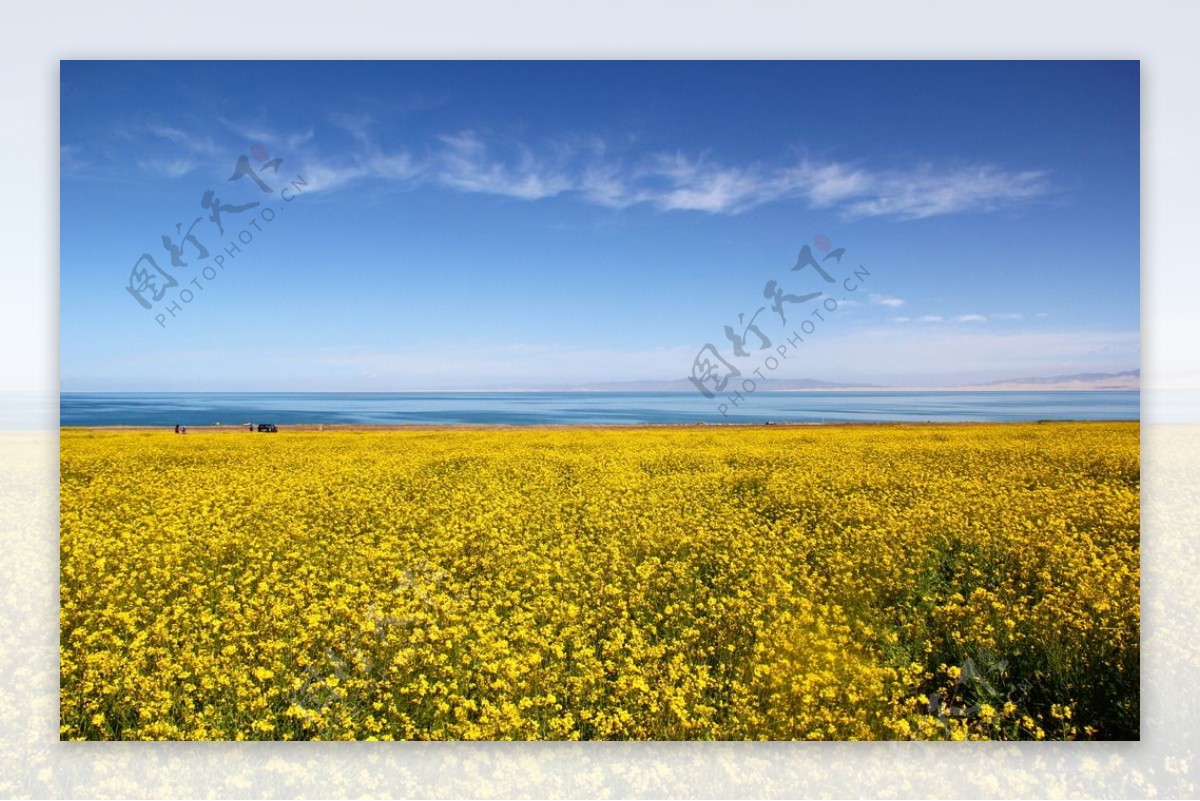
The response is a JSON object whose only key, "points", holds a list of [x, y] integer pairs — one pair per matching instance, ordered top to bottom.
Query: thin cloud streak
{"points": [[201, 145], [70, 159], [170, 168], [587, 168], [927, 192], [887, 300], [959, 318]]}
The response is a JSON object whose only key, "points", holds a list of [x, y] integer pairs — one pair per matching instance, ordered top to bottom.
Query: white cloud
{"points": [[357, 125], [192, 143], [286, 143], [70, 159], [465, 163], [587, 167], [171, 168], [322, 175], [832, 183], [699, 187], [926, 192], [887, 300], [967, 318], [899, 319]]}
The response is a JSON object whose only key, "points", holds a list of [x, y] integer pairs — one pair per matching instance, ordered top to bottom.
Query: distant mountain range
{"points": [[1129, 379], [684, 385]]}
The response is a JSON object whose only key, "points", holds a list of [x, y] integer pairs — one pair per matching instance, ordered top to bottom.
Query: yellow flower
{"points": [[635, 583]]}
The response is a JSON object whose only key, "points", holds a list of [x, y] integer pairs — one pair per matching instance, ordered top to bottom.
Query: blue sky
{"points": [[522, 224]]}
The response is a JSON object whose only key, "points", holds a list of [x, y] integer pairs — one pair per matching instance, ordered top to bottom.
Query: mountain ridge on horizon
{"points": [[1124, 380]]}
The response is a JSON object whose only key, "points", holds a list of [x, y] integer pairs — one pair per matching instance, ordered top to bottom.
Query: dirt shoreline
{"points": [[370, 427]]}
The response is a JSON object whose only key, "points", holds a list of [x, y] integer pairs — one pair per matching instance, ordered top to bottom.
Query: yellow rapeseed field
{"points": [[860, 582]]}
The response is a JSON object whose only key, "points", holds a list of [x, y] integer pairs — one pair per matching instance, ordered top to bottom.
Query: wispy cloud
{"points": [[357, 125], [262, 134], [193, 143], [173, 152], [70, 159], [466, 163], [170, 168], [592, 170], [330, 175], [678, 182], [682, 182], [928, 192], [887, 300], [964, 318]]}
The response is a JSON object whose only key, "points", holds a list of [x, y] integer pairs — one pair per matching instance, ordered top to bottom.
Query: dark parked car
{"points": [[268, 427]]}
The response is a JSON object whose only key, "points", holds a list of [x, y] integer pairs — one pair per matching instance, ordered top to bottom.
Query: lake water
{"points": [[585, 408]]}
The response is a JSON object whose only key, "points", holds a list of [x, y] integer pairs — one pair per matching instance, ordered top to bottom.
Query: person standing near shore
{"points": [[176, 428]]}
